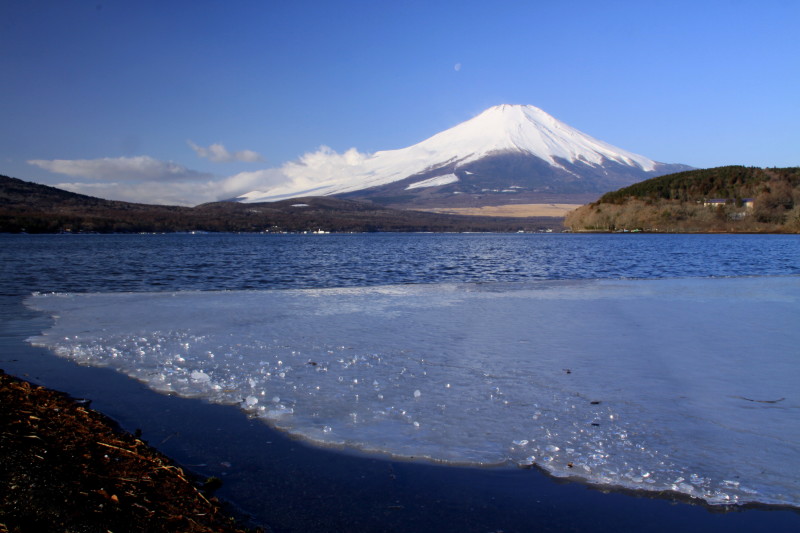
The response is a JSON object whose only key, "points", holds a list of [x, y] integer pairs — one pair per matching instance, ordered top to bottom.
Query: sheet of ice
{"points": [[688, 385]]}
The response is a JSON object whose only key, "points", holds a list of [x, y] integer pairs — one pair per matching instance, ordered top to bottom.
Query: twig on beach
{"points": [[124, 450]]}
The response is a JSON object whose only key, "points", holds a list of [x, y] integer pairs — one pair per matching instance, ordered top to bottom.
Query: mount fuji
{"points": [[507, 154]]}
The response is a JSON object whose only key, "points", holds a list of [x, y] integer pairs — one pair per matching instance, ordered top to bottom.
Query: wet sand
{"points": [[286, 485]]}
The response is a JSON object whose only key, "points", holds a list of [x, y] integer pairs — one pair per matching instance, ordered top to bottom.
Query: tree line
{"points": [[721, 199]]}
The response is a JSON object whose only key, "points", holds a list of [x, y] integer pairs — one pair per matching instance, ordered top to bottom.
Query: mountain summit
{"points": [[526, 130], [507, 154]]}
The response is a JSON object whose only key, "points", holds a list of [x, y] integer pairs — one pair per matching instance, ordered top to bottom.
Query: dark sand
{"points": [[66, 467], [285, 485]]}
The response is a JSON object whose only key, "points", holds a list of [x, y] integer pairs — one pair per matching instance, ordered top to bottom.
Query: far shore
{"points": [[509, 210]]}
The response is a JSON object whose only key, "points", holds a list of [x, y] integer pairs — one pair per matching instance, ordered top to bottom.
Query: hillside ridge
{"points": [[729, 199], [27, 207]]}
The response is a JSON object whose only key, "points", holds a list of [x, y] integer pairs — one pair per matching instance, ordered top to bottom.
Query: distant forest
{"points": [[729, 199], [27, 207]]}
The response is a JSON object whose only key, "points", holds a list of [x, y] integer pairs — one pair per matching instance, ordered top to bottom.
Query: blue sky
{"points": [[189, 101]]}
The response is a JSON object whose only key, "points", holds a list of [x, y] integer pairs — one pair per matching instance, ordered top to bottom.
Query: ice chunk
{"points": [[200, 376], [250, 401]]}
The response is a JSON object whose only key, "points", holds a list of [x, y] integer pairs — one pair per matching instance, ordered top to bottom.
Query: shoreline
{"points": [[69, 467], [282, 484], [671, 496]]}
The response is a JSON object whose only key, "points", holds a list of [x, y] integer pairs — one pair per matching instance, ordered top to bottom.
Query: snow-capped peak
{"points": [[525, 128], [500, 129]]}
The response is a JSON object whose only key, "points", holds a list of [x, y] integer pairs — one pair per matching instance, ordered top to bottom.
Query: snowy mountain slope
{"points": [[506, 149]]}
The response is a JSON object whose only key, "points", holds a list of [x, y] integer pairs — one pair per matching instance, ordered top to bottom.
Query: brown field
{"points": [[512, 210]]}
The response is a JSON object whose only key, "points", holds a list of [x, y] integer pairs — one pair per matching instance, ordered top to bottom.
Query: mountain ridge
{"points": [[507, 149]]}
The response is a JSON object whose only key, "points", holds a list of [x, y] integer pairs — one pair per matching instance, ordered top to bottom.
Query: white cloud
{"points": [[219, 154], [324, 164], [140, 168], [312, 170], [309, 171], [134, 179], [146, 180], [248, 181], [179, 193], [183, 193]]}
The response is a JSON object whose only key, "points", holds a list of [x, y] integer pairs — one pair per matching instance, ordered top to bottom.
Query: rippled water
{"points": [[85, 263], [623, 360]]}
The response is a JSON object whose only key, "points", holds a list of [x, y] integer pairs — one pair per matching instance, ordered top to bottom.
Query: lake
{"points": [[649, 363]]}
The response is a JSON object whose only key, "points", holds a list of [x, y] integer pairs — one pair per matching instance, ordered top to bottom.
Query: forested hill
{"points": [[721, 199], [33, 208]]}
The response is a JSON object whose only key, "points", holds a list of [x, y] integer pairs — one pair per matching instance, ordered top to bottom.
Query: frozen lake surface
{"points": [[687, 385]]}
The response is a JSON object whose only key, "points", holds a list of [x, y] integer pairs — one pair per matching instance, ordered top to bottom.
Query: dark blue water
{"points": [[88, 263]]}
